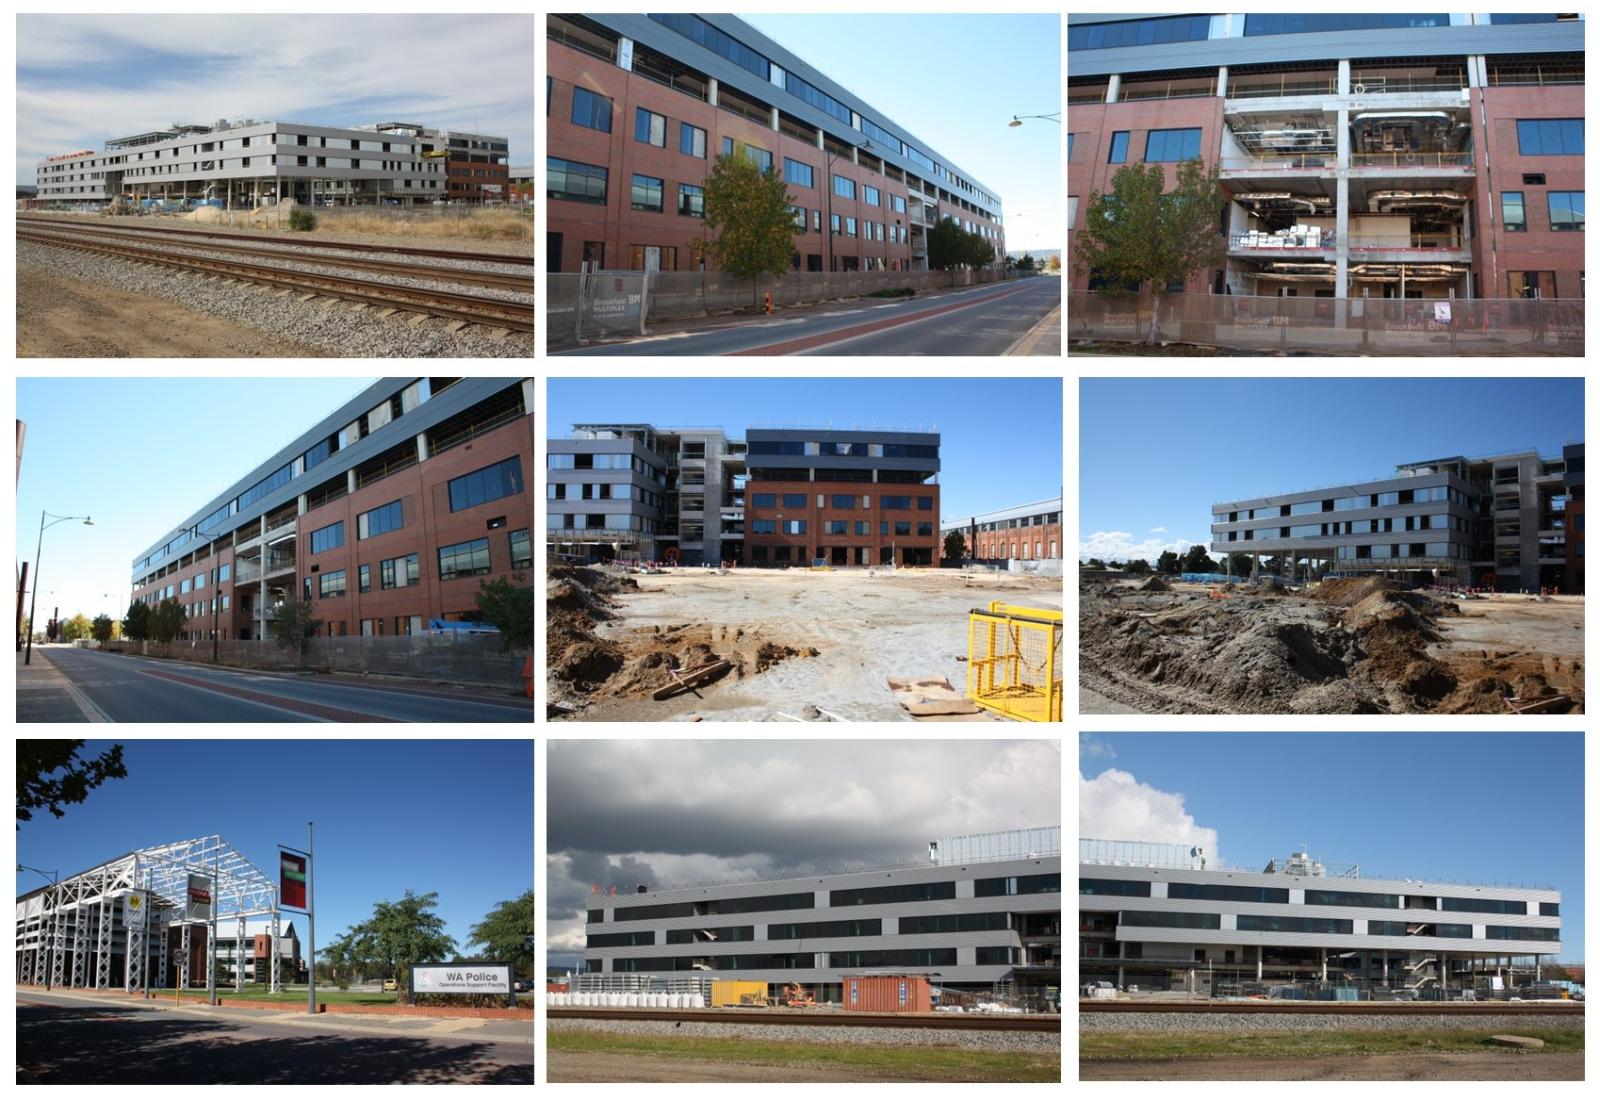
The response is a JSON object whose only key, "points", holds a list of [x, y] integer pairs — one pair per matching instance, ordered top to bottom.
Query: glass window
{"points": [[1316, 24], [1139, 32], [704, 34], [590, 110], [649, 127], [1550, 137], [691, 140], [1069, 145], [1172, 145], [1119, 148], [799, 174], [574, 181], [844, 188], [647, 193], [871, 196], [691, 201], [1566, 211], [1512, 217], [849, 227], [503, 479], [275, 480], [764, 500], [794, 500], [843, 502], [380, 521], [764, 526], [327, 538], [521, 549], [464, 559], [225, 572], [364, 575], [331, 584], [1114, 886], [1205, 892], [887, 895], [1343, 897], [1483, 905], [1549, 908], [1170, 920], [1248, 922], [1503, 932]]}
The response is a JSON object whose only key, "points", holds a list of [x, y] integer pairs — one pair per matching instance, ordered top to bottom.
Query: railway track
{"points": [[345, 246], [474, 309], [1344, 1008], [950, 1021]]}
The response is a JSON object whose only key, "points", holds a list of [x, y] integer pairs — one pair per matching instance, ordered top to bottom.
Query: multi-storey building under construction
{"points": [[1361, 155]]}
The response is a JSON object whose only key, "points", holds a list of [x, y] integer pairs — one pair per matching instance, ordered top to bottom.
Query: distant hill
{"points": [[1040, 255]]}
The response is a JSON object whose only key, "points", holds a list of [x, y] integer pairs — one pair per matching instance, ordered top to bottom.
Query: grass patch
{"points": [[332, 996], [1141, 1044], [906, 1063]]}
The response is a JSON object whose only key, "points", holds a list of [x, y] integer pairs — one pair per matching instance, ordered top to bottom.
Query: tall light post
{"points": [[1016, 120], [33, 605], [49, 952]]}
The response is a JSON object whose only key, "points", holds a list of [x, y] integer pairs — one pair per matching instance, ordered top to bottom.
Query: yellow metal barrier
{"points": [[1014, 661]]}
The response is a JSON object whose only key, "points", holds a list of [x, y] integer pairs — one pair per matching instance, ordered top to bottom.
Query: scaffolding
{"points": [[118, 917]]}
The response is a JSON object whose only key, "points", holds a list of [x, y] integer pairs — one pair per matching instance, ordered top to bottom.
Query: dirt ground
{"points": [[492, 232], [57, 317], [798, 640], [1346, 646], [1509, 1066]]}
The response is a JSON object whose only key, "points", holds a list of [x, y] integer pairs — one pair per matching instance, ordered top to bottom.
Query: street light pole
{"points": [[1016, 120], [827, 170], [33, 604]]}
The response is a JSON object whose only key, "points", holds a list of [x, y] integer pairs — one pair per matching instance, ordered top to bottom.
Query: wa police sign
{"points": [[493, 979]]}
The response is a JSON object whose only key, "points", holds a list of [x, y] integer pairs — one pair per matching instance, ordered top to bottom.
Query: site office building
{"points": [[640, 106], [1360, 155], [386, 514], [1156, 916]]}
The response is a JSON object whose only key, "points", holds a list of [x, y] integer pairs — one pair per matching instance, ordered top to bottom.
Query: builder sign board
{"points": [[199, 907], [493, 979]]}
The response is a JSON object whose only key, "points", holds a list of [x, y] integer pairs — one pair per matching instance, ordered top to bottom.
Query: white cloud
{"points": [[1158, 530], [1120, 546], [1091, 746], [1116, 806]]}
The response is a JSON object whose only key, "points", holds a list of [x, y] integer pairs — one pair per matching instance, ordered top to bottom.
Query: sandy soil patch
{"points": [[1509, 1066]]}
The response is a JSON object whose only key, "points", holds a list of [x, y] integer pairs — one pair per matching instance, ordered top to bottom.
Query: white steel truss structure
{"points": [[84, 915]]}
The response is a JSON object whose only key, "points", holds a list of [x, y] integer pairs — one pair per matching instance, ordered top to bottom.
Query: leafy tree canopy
{"points": [[749, 230], [507, 603], [50, 774], [504, 933]]}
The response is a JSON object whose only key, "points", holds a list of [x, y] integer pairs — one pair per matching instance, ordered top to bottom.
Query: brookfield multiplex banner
{"points": [[291, 880], [199, 907], [461, 978]]}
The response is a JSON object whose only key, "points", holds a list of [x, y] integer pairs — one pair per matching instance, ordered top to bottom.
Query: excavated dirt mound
{"points": [[1155, 584], [1269, 586], [1349, 591], [578, 597], [687, 646]]}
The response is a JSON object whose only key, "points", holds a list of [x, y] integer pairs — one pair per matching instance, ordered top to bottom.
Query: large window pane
{"points": [[1550, 133], [1572, 135], [1528, 137], [1119, 147], [1511, 212]]}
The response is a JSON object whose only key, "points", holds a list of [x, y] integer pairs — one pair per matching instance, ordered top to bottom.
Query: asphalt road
{"points": [[982, 320], [138, 689], [99, 1040]]}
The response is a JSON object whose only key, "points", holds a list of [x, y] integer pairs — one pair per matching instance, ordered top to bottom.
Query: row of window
{"points": [[1139, 32], [1159, 146], [1565, 209], [842, 450], [604, 461], [601, 491], [1426, 495], [841, 501], [1438, 522], [836, 527], [462, 559], [1221, 892], [868, 895], [763, 904], [1249, 922], [840, 960]]}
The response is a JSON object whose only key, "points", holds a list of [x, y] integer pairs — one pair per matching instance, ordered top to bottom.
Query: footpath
{"points": [[45, 695]]}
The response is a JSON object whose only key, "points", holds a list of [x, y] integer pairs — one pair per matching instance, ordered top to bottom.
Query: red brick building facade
{"points": [[841, 522]]}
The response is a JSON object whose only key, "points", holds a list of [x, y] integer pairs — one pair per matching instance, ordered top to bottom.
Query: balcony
{"points": [[1412, 164], [1279, 166], [283, 528], [246, 570]]}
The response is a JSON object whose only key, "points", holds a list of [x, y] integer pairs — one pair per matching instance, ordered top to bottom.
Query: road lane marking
{"points": [[854, 332], [91, 712]]}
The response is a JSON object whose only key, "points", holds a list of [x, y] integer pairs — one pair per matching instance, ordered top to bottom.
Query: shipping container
{"points": [[726, 993], [887, 993]]}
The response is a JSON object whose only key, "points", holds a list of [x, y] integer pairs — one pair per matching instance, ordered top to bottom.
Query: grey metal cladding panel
{"points": [[642, 28], [1386, 42], [460, 396], [838, 435], [1388, 484], [1299, 882]]}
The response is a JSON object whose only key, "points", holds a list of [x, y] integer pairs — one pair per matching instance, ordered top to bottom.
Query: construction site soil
{"points": [[798, 643], [1344, 646], [1487, 1066]]}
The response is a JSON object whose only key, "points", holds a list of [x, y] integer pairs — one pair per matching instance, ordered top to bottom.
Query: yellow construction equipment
{"points": [[1014, 661], [727, 993], [795, 995]]}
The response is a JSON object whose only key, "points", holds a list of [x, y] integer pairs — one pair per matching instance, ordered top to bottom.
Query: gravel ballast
{"points": [[332, 325], [1274, 1021], [802, 1033]]}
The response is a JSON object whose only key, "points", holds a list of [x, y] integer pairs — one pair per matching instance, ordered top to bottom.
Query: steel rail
{"points": [[442, 253], [521, 283], [464, 307], [1344, 1008], [951, 1021]]}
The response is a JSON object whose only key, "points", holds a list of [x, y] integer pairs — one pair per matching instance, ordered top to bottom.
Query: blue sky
{"points": [[996, 66], [84, 78], [987, 426], [1156, 453], [140, 455], [1501, 808], [454, 817]]}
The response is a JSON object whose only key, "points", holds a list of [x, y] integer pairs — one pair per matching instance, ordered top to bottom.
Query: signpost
{"points": [[296, 891], [483, 978]]}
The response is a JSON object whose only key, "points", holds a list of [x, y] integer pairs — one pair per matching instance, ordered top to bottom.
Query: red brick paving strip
{"points": [[806, 343], [313, 710], [196, 998]]}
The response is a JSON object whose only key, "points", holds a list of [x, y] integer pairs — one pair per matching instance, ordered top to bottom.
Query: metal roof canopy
{"points": [[242, 889]]}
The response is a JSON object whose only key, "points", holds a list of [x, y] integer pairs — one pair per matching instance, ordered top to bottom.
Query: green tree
{"points": [[749, 229], [1138, 234], [944, 245], [976, 252], [1026, 263], [955, 545], [1196, 560], [1096, 563], [1167, 563], [1239, 564], [1138, 567], [507, 605], [167, 620], [136, 624], [295, 626], [76, 627], [103, 628], [39, 786], [400, 934], [505, 934]]}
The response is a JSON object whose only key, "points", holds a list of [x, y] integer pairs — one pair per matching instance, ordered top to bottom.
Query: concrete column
{"points": [[1344, 78], [1222, 82], [1114, 88], [711, 90], [774, 122], [820, 143], [855, 156], [527, 395], [422, 446], [350, 480], [301, 504], [261, 612], [1324, 952], [1258, 964], [1386, 968], [1444, 973], [1119, 977]]}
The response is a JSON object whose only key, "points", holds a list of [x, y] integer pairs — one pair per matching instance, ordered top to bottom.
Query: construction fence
{"points": [[601, 304], [1335, 326], [469, 659]]}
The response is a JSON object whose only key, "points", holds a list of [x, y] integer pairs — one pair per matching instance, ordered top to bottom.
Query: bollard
{"points": [[769, 303]]}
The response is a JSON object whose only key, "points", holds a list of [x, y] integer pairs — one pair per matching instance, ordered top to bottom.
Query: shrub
{"points": [[302, 219]]}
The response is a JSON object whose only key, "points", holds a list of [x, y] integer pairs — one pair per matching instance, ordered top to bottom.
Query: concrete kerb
{"points": [[1028, 342]]}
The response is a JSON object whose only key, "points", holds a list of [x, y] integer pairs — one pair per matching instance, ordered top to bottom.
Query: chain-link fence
{"points": [[1335, 326], [473, 658]]}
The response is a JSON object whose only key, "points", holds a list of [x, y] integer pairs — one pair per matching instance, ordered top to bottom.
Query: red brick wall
{"points": [[1092, 126], [463, 180], [620, 227], [1495, 251], [1025, 543], [804, 547]]}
